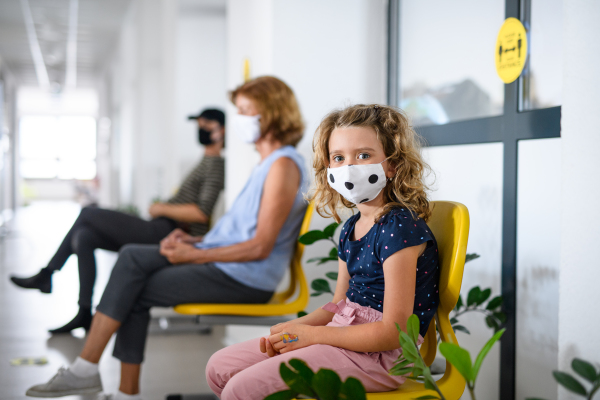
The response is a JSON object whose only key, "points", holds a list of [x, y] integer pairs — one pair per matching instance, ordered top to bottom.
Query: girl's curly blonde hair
{"points": [[402, 147]]}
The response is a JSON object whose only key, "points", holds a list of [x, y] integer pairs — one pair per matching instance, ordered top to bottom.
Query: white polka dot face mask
{"points": [[357, 183]]}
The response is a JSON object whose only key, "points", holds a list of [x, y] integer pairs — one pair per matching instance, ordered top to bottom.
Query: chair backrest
{"points": [[450, 226], [297, 278]]}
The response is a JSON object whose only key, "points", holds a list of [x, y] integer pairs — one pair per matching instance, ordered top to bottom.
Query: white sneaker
{"points": [[65, 383]]}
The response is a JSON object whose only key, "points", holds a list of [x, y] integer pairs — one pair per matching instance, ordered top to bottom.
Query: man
{"points": [[98, 228]]}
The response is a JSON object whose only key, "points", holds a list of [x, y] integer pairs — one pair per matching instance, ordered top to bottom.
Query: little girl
{"points": [[366, 157]]}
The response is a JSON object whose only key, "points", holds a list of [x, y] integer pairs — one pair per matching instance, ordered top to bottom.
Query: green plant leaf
{"points": [[330, 229], [312, 236], [333, 253], [471, 257], [326, 259], [332, 275], [321, 285], [315, 294], [473, 296], [483, 296], [459, 303], [494, 303], [302, 313], [500, 316], [453, 320], [491, 322], [412, 327], [461, 329], [408, 347], [484, 351], [459, 357], [402, 363], [303, 369], [584, 369], [401, 371], [295, 380], [569, 382], [326, 384], [429, 384], [352, 389], [283, 395]]}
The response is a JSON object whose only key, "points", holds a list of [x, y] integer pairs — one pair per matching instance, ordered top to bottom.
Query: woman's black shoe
{"points": [[42, 281], [83, 319]]}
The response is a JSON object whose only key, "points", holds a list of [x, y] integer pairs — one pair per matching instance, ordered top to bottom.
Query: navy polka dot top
{"points": [[365, 257]]}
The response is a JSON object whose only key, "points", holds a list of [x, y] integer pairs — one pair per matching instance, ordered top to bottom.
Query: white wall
{"points": [[169, 63], [200, 77], [580, 214]]}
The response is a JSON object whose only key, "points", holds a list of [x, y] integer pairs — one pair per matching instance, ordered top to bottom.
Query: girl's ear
{"points": [[391, 169]]}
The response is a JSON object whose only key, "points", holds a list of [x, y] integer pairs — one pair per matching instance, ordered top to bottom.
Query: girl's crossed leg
{"points": [[241, 371]]}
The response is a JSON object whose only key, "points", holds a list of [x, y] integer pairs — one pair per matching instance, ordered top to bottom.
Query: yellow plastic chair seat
{"points": [[450, 225], [279, 304]]}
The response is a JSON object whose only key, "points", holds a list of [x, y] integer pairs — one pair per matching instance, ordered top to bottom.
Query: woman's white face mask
{"points": [[246, 127], [358, 183]]}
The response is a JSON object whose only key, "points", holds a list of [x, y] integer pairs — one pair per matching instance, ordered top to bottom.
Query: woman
{"points": [[98, 228], [241, 260]]}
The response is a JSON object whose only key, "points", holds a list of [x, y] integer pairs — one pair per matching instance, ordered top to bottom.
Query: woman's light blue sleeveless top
{"points": [[239, 225]]}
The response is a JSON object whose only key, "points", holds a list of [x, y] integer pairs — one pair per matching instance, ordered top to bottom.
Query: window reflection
{"points": [[447, 70]]}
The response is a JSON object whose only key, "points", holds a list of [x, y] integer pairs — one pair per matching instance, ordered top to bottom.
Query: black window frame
{"points": [[509, 128]]}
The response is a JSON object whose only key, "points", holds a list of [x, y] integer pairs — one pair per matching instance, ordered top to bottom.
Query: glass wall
{"points": [[447, 65]]}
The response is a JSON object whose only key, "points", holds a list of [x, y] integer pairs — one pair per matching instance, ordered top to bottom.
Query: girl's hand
{"points": [[288, 337]]}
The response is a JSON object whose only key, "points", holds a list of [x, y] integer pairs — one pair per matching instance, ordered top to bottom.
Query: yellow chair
{"points": [[450, 226], [278, 305]]}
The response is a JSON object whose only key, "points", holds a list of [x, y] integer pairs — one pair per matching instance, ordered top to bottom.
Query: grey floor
{"points": [[174, 362]]}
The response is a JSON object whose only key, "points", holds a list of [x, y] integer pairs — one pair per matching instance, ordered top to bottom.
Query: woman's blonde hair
{"points": [[278, 108], [401, 145]]}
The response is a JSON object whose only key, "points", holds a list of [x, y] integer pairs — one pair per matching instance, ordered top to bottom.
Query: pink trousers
{"points": [[241, 371]]}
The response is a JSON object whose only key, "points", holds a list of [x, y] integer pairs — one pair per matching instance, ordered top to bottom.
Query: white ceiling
{"points": [[99, 22]]}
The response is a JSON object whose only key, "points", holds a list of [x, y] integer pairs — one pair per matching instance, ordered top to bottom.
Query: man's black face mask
{"points": [[204, 137]]}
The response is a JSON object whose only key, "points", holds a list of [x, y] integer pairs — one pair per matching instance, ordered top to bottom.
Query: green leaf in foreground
{"points": [[333, 253], [471, 257], [321, 285], [302, 314], [412, 327], [484, 351], [458, 357], [584, 369], [295, 380], [569, 382], [326, 384], [353, 389], [283, 395]]}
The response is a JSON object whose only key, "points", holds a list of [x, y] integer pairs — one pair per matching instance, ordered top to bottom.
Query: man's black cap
{"points": [[212, 114]]}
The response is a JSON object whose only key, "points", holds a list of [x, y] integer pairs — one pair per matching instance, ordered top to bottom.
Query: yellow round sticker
{"points": [[511, 50]]}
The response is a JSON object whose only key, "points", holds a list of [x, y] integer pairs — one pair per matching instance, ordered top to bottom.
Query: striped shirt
{"points": [[202, 187]]}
